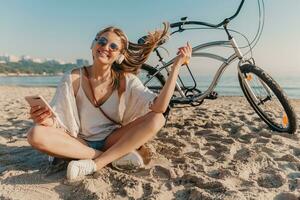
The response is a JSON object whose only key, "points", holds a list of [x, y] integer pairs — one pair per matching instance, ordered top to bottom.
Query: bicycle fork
{"points": [[241, 58]]}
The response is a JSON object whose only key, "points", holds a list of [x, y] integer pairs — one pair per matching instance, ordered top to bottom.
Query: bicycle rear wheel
{"points": [[156, 82], [267, 99]]}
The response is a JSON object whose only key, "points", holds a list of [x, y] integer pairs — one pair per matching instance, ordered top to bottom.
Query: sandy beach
{"points": [[219, 150]]}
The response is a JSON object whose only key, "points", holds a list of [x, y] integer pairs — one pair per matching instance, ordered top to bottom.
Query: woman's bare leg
{"points": [[130, 137], [56, 142]]}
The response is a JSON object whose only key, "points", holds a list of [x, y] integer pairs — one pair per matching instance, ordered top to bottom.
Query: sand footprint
{"points": [[200, 112], [245, 118], [211, 124], [178, 125], [190, 128], [204, 132], [187, 133], [220, 138], [248, 138], [263, 140], [175, 142], [219, 147], [169, 151], [296, 151], [194, 154], [245, 155], [288, 158], [190, 166], [162, 173], [220, 173], [271, 179], [190, 180], [294, 184], [214, 186], [90, 189], [196, 193], [233, 194], [286, 196]]}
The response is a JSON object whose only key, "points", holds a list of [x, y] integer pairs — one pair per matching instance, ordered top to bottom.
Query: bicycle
{"points": [[262, 92]]}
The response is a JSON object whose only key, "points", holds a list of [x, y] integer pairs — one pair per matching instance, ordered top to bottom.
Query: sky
{"points": [[64, 29]]}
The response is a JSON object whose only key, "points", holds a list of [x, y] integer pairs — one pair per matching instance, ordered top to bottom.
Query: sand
{"points": [[219, 150]]}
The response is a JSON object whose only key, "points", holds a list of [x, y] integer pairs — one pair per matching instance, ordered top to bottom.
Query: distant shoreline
{"points": [[27, 75], [29, 86], [228, 86]]}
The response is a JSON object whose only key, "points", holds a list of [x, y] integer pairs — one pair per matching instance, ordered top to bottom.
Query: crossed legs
{"points": [[57, 143]]}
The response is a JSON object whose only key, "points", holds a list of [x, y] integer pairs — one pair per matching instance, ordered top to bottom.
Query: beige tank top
{"points": [[93, 124]]}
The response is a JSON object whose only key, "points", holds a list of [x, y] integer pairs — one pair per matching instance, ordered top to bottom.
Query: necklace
{"points": [[102, 90], [96, 103]]}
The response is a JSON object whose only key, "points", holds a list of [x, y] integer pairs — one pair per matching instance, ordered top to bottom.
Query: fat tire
{"points": [[280, 94]]}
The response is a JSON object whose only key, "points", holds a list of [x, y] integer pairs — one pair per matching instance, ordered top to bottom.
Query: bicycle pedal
{"points": [[213, 95]]}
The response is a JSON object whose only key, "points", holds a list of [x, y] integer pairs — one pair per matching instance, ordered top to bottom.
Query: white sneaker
{"points": [[132, 160], [78, 168]]}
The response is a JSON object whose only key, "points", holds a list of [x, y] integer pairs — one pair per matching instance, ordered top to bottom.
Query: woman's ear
{"points": [[93, 44]]}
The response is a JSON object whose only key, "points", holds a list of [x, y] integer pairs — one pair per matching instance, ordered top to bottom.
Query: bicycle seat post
{"points": [[158, 55]]}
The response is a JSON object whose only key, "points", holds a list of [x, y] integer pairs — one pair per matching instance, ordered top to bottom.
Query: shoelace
{"points": [[84, 168]]}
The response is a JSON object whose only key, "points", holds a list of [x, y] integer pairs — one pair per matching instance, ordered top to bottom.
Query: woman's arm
{"points": [[161, 103], [43, 116]]}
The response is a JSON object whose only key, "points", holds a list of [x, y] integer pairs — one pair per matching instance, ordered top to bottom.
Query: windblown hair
{"points": [[135, 54]]}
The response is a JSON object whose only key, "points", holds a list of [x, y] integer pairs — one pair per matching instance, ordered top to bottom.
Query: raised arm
{"points": [[161, 103]]}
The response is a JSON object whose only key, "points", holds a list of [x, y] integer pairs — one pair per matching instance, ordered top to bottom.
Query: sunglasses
{"points": [[102, 41]]}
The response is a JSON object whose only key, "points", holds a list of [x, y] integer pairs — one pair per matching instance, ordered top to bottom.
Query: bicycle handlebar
{"points": [[225, 21]]}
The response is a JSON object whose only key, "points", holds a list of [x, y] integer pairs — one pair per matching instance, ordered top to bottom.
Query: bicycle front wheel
{"points": [[267, 99]]}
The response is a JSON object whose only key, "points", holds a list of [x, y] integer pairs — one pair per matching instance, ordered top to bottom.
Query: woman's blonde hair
{"points": [[135, 54]]}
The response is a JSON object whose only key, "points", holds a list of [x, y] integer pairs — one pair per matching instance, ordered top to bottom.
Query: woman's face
{"points": [[107, 48]]}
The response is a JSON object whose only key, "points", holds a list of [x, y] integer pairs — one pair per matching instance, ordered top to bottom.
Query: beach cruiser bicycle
{"points": [[264, 95]]}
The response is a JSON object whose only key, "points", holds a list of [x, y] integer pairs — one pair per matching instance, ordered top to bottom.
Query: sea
{"points": [[227, 85]]}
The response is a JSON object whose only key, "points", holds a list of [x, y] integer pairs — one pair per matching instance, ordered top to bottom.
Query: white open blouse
{"points": [[134, 102]]}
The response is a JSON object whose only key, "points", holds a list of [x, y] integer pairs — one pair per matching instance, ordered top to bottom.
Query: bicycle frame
{"points": [[196, 53], [225, 63]]}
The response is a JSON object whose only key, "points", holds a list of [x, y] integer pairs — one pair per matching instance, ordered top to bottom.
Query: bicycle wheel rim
{"points": [[267, 102]]}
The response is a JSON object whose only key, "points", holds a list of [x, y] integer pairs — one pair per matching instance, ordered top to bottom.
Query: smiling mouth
{"points": [[103, 53]]}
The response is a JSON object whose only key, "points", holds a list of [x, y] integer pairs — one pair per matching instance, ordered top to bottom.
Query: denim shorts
{"points": [[98, 145]]}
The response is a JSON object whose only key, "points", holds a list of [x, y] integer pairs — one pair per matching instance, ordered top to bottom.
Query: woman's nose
{"points": [[106, 46]]}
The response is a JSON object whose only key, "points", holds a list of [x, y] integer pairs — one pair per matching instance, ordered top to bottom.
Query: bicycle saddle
{"points": [[143, 39]]}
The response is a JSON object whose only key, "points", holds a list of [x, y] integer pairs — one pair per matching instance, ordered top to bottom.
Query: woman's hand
{"points": [[184, 54], [41, 115]]}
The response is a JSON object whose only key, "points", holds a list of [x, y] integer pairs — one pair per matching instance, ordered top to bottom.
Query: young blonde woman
{"points": [[103, 111]]}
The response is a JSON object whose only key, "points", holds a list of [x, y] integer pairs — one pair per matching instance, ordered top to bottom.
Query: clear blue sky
{"points": [[64, 29]]}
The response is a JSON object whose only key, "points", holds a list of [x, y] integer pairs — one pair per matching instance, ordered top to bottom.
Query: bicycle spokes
{"points": [[152, 82], [266, 100]]}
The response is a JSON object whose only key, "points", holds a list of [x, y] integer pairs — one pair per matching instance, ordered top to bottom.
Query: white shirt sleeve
{"points": [[139, 99], [64, 105]]}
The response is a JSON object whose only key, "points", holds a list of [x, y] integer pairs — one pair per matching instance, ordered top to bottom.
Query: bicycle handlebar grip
{"points": [[227, 20], [173, 25]]}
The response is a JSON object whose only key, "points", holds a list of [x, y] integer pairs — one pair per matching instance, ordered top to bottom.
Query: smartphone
{"points": [[38, 100]]}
